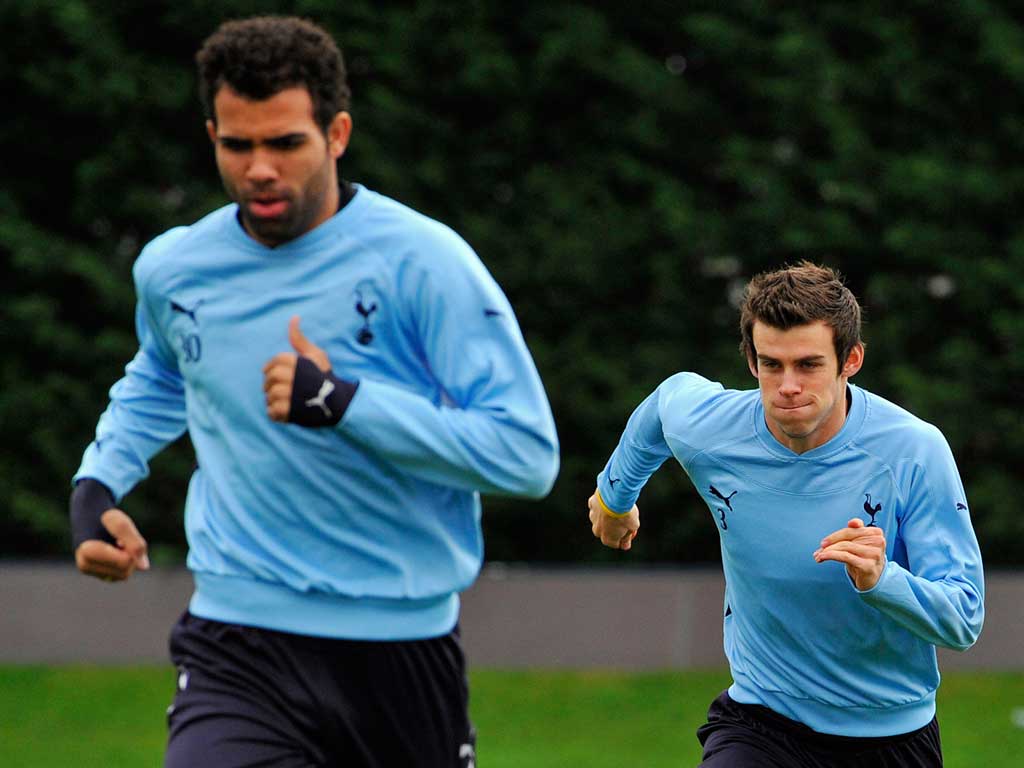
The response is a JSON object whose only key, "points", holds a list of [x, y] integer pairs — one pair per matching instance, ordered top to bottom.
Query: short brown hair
{"points": [[263, 55], [792, 296]]}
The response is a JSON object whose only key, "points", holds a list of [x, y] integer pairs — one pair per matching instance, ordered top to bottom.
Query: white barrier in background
{"points": [[514, 616]]}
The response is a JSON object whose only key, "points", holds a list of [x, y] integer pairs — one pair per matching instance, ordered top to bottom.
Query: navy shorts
{"points": [[250, 697], [750, 736]]}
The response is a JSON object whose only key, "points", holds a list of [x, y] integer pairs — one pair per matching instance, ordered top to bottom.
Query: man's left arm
{"points": [[493, 431], [939, 594]]}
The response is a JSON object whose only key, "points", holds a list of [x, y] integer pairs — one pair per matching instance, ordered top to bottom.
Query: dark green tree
{"points": [[622, 171]]}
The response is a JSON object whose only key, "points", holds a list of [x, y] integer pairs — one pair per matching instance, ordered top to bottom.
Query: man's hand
{"points": [[279, 373], [614, 532], [861, 548], [110, 563]]}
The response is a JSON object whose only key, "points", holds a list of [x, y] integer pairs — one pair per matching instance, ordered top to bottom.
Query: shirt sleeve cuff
{"points": [[608, 510], [883, 577]]}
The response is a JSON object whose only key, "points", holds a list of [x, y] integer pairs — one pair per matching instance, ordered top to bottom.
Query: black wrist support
{"points": [[319, 399], [89, 500]]}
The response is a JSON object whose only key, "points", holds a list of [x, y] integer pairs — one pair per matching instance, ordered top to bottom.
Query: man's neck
{"points": [[345, 193]]}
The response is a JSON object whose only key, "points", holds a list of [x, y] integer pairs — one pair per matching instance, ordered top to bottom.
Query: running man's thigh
{"points": [[250, 697], [407, 700], [232, 708], [734, 737], [232, 739], [731, 740], [737, 746], [919, 749]]}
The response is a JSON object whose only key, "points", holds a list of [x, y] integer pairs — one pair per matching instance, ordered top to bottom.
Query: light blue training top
{"points": [[366, 530], [800, 638]]}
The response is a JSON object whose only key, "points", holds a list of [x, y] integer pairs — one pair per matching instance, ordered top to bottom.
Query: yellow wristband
{"points": [[607, 510]]}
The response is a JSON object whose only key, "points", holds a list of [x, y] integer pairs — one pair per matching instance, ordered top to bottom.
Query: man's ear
{"points": [[211, 130], [338, 134], [854, 361], [752, 366]]}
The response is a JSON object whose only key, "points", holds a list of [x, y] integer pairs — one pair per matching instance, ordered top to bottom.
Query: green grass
{"points": [[89, 717]]}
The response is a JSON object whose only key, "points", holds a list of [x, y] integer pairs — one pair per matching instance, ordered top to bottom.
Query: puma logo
{"points": [[190, 313], [321, 398], [726, 499]]}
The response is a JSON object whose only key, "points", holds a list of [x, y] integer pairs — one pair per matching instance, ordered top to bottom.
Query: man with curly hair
{"points": [[334, 515], [832, 667]]}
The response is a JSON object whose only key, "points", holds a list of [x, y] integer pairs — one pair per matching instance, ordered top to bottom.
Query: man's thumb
{"points": [[299, 343], [855, 523]]}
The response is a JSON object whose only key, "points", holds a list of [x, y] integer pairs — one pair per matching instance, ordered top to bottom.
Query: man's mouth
{"points": [[268, 207]]}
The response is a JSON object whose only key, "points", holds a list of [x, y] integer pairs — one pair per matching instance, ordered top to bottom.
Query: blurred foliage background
{"points": [[622, 169]]}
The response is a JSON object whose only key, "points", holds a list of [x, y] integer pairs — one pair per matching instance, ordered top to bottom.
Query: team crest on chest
{"points": [[366, 304], [871, 509]]}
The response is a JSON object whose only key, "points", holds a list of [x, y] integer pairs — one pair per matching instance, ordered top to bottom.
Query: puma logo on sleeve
{"points": [[321, 398]]}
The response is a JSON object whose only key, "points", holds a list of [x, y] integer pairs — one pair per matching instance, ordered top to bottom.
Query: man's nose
{"points": [[262, 167], [790, 384]]}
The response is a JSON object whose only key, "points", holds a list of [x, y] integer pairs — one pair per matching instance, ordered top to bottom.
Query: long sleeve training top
{"points": [[369, 529], [800, 638]]}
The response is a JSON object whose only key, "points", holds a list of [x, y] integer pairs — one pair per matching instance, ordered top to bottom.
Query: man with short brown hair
{"points": [[831, 666]]}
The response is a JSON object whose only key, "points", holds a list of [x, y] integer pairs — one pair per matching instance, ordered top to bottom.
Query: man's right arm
{"points": [[146, 412], [641, 450], [107, 544]]}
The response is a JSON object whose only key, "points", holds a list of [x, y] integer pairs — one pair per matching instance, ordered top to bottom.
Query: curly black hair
{"points": [[263, 55]]}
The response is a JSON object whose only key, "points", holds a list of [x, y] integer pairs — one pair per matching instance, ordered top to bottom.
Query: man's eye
{"points": [[286, 142], [236, 145]]}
